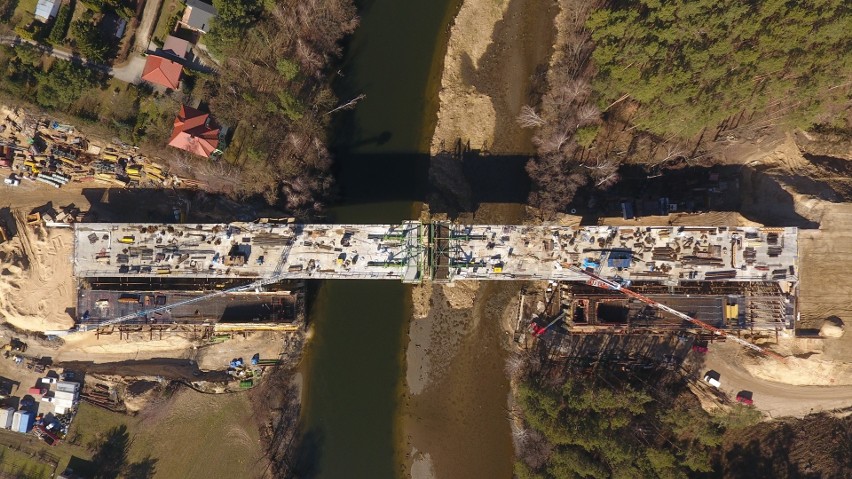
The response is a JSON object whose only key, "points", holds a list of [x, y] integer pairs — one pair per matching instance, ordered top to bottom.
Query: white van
{"points": [[712, 378]]}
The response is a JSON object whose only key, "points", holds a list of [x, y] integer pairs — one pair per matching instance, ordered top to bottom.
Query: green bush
{"points": [[60, 25], [89, 41], [63, 84]]}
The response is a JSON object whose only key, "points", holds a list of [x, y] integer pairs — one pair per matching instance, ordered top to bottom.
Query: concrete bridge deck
{"points": [[441, 251]]}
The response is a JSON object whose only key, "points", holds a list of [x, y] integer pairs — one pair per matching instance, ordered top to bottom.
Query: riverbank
{"points": [[496, 51], [457, 390], [457, 400], [457, 424]]}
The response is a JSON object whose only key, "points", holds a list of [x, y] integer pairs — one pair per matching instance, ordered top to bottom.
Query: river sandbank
{"points": [[496, 48], [458, 393], [457, 424]]}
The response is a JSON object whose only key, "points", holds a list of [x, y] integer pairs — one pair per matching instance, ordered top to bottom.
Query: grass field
{"points": [[24, 12], [190, 435], [200, 436], [15, 463]]}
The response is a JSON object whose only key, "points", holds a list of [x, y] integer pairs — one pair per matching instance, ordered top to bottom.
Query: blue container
{"points": [[26, 422]]}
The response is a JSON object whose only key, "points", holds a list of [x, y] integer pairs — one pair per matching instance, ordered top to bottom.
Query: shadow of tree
{"points": [[110, 455], [110, 459], [144, 469]]}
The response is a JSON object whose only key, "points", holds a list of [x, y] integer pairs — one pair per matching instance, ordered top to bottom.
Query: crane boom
{"points": [[599, 282], [256, 284], [538, 331]]}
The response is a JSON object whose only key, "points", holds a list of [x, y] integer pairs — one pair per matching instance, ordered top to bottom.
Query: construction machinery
{"points": [[603, 283], [537, 330], [15, 345]]}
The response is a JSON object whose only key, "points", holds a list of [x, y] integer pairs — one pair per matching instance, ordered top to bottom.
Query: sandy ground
{"points": [[494, 49], [826, 263], [37, 289], [217, 356], [775, 398]]}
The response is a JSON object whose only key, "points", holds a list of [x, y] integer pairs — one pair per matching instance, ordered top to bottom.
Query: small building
{"points": [[46, 9], [198, 16], [175, 46], [162, 71], [195, 132], [620, 258], [68, 386], [66, 396], [6, 415], [16, 421], [24, 421]]}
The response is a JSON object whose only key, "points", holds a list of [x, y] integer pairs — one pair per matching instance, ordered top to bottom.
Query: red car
{"points": [[699, 348], [745, 397]]}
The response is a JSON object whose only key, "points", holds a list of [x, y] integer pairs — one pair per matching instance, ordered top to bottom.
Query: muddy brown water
{"points": [[354, 362]]}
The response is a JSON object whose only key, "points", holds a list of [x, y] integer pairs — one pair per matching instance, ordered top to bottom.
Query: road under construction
{"points": [[127, 272]]}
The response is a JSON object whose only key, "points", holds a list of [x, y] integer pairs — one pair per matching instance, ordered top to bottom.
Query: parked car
{"points": [[12, 181], [712, 378], [745, 397]]}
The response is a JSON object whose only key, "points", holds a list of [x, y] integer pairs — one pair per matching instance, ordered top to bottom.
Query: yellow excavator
{"points": [[15, 345]]}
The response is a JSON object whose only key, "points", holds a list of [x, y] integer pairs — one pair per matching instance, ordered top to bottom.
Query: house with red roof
{"points": [[161, 71], [195, 132]]}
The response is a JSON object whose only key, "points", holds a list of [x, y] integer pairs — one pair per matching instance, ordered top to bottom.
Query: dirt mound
{"points": [[832, 328], [165, 367]]}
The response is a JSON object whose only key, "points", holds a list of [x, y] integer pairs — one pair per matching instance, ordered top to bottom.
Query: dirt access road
{"points": [[146, 26], [774, 398]]}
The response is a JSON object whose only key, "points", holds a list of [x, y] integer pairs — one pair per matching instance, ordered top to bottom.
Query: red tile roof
{"points": [[163, 72], [193, 132]]}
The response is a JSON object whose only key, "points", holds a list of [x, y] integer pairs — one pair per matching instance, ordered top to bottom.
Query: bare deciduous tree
{"points": [[588, 114], [528, 118]]}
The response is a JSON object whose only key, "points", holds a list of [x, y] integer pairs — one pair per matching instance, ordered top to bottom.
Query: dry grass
{"points": [[189, 435], [197, 435]]}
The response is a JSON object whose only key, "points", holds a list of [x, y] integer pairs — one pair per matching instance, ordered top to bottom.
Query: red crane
{"points": [[603, 283], [537, 330]]}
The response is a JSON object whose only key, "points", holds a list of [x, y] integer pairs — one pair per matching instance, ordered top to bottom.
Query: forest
{"points": [[654, 81], [575, 422]]}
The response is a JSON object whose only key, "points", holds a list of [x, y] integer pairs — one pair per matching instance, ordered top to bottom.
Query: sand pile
{"points": [[36, 285], [831, 328], [110, 348]]}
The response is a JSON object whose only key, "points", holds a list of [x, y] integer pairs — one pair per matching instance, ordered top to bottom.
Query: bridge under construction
{"points": [[441, 251], [137, 275]]}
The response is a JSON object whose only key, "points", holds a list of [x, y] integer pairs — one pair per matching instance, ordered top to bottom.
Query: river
{"points": [[354, 362]]}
